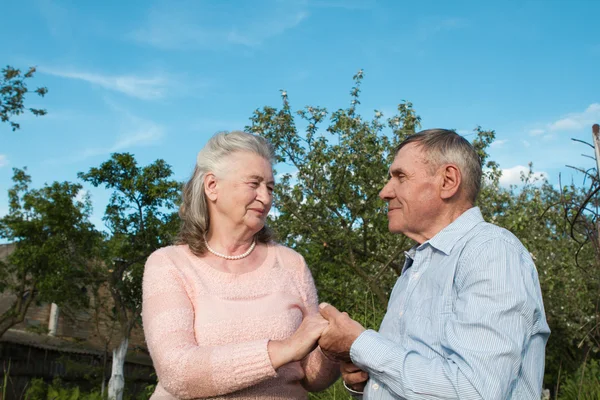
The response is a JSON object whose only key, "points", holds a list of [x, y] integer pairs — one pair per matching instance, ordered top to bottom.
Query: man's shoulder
{"points": [[486, 235]]}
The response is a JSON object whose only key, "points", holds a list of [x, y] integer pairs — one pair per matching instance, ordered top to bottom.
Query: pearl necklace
{"points": [[239, 257]]}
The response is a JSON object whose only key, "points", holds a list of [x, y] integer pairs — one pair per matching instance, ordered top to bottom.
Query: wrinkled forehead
{"points": [[412, 155], [247, 163]]}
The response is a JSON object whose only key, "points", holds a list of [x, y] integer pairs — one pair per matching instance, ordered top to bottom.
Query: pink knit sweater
{"points": [[207, 330]]}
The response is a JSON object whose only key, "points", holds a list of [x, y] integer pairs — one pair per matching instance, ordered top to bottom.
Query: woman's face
{"points": [[245, 190]]}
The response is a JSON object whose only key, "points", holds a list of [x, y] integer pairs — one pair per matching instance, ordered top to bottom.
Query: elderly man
{"points": [[465, 319]]}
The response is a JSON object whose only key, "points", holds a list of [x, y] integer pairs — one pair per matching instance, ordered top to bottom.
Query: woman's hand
{"points": [[300, 344], [354, 377]]}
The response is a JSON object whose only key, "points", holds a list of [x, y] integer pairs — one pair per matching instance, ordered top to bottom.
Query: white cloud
{"points": [[349, 5], [55, 16], [431, 26], [188, 28], [255, 37], [146, 88], [577, 121], [134, 132], [536, 132], [140, 133], [145, 134], [498, 143], [526, 143], [3, 160], [512, 176]]}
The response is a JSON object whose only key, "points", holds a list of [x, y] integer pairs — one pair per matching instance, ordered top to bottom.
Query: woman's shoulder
{"points": [[174, 254], [287, 255]]}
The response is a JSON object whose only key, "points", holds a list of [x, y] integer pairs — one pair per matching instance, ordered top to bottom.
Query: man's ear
{"points": [[451, 181], [210, 186]]}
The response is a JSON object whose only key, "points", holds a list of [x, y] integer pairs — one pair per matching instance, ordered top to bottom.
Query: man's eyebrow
{"points": [[396, 172]]}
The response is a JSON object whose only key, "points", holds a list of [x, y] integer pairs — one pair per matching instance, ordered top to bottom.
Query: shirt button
{"points": [[401, 313], [375, 386]]}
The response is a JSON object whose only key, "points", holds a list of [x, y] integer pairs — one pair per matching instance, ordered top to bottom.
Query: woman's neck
{"points": [[228, 242]]}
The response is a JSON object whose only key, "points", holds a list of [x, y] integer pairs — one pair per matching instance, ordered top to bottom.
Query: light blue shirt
{"points": [[465, 320]]}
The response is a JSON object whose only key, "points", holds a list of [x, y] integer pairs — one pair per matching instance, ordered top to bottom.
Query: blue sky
{"points": [[158, 78]]}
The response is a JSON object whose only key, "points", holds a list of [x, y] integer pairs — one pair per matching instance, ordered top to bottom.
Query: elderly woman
{"points": [[227, 312]]}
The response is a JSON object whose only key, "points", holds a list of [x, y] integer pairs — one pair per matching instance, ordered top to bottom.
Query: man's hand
{"points": [[337, 338], [354, 377]]}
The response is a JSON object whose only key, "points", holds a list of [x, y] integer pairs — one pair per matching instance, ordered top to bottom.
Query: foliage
{"points": [[13, 89], [328, 209], [536, 213], [140, 219], [55, 246], [91, 374], [584, 384], [4, 386], [38, 389], [57, 390], [337, 391], [147, 392]]}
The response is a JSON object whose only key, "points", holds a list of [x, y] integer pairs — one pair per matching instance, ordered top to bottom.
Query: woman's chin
{"points": [[255, 226]]}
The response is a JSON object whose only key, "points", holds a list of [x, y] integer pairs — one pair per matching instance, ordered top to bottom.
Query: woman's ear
{"points": [[210, 186]]}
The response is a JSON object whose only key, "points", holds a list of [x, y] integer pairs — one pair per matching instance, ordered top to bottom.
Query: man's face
{"points": [[412, 193]]}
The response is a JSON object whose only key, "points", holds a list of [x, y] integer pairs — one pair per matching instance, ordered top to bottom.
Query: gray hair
{"points": [[442, 146], [193, 212]]}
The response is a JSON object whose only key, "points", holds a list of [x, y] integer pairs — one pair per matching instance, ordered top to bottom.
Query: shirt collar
{"points": [[445, 239]]}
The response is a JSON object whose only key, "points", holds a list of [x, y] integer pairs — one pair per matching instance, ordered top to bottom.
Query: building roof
{"points": [[48, 342]]}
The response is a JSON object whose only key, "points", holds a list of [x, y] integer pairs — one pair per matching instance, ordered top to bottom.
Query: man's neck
{"points": [[445, 218]]}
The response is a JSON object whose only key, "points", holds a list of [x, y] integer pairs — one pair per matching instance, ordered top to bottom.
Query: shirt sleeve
{"points": [[483, 340], [184, 368], [320, 371]]}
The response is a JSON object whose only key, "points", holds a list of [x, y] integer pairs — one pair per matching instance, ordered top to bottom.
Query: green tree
{"points": [[13, 89], [329, 209], [539, 214], [141, 218], [55, 247]]}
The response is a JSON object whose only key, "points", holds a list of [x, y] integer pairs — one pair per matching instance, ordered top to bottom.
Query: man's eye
{"points": [[254, 184], [270, 189]]}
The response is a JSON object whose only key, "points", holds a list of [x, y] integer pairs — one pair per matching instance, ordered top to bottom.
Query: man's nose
{"points": [[385, 193]]}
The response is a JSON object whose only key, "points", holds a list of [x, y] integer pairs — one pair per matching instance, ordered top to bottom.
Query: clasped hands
{"points": [[334, 332], [336, 340]]}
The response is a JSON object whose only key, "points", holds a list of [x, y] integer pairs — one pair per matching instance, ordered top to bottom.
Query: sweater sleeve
{"points": [[185, 369], [320, 371]]}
